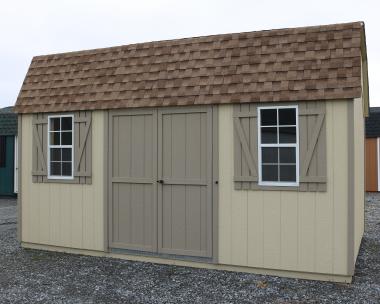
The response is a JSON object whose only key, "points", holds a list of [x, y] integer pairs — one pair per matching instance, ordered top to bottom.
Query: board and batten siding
{"points": [[62, 214], [287, 230]]}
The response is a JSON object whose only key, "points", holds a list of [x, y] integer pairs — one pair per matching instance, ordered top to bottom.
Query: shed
{"points": [[372, 150], [8, 152], [242, 152]]}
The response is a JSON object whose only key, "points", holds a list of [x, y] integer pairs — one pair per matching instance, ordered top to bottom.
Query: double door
{"points": [[160, 187]]}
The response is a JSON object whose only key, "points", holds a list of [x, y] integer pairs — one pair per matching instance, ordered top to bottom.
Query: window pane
{"points": [[287, 116], [268, 117], [66, 123], [54, 124], [269, 135], [287, 135], [55, 138], [66, 138], [55, 154], [66, 154], [269, 155], [288, 155], [55, 168], [66, 169], [269, 173], [288, 173]]}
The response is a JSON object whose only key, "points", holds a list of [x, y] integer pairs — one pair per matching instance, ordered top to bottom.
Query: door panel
{"points": [[184, 166], [133, 180]]}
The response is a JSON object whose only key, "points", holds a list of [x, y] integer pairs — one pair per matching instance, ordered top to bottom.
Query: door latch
{"points": [[161, 181]]}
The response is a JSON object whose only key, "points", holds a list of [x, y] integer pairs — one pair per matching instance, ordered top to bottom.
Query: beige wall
{"points": [[359, 178], [64, 215], [286, 230]]}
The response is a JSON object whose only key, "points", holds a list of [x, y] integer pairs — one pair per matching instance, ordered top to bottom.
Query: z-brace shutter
{"points": [[312, 137], [245, 146], [82, 147], [312, 147], [39, 148]]}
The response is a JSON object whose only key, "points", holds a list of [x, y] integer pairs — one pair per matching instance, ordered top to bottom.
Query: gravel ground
{"points": [[31, 276]]}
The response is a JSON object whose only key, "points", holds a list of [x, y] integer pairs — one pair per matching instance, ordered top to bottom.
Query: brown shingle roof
{"points": [[309, 63]]}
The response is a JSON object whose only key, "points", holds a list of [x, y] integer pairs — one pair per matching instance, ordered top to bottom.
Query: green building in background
{"points": [[8, 152]]}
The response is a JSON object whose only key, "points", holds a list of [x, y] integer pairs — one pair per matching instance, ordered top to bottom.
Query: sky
{"points": [[39, 27]]}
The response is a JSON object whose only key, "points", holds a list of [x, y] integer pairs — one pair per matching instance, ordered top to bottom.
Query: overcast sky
{"points": [[38, 27]]}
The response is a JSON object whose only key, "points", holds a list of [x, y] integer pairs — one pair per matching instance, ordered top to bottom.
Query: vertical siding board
{"points": [[55, 202], [89, 204], [44, 205], [34, 215], [65, 217], [77, 217], [306, 222], [255, 228], [272, 229], [289, 230], [239, 231], [323, 235]]}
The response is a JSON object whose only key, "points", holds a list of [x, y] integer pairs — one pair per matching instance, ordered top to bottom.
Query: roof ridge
{"points": [[317, 28]]}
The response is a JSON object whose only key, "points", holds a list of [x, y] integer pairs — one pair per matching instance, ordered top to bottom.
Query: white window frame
{"points": [[277, 145], [57, 177]]}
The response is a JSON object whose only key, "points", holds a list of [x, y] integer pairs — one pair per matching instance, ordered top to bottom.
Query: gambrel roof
{"points": [[295, 64]]}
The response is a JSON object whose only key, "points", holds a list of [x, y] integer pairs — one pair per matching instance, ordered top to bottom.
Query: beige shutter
{"points": [[312, 137], [245, 146], [82, 147], [312, 147], [39, 148]]}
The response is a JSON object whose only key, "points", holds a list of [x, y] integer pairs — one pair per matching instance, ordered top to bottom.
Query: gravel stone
{"points": [[33, 276]]}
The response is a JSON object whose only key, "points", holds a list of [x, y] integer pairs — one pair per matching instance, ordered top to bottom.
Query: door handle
{"points": [[161, 181]]}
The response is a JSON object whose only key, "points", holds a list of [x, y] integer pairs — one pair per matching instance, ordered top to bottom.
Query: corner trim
{"points": [[105, 180], [215, 184], [19, 186], [351, 189]]}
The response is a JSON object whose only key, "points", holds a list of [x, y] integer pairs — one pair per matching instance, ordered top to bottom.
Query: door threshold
{"points": [[162, 255]]}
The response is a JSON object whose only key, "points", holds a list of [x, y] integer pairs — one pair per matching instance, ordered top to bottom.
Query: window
{"points": [[60, 143], [278, 146], [3, 150]]}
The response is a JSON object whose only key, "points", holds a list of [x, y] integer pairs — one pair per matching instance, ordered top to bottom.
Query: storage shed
{"points": [[372, 150], [242, 151], [8, 152]]}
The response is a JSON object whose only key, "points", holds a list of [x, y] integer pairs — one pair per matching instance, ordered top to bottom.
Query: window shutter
{"points": [[312, 138], [245, 146], [82, 147], [39, 148]]}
